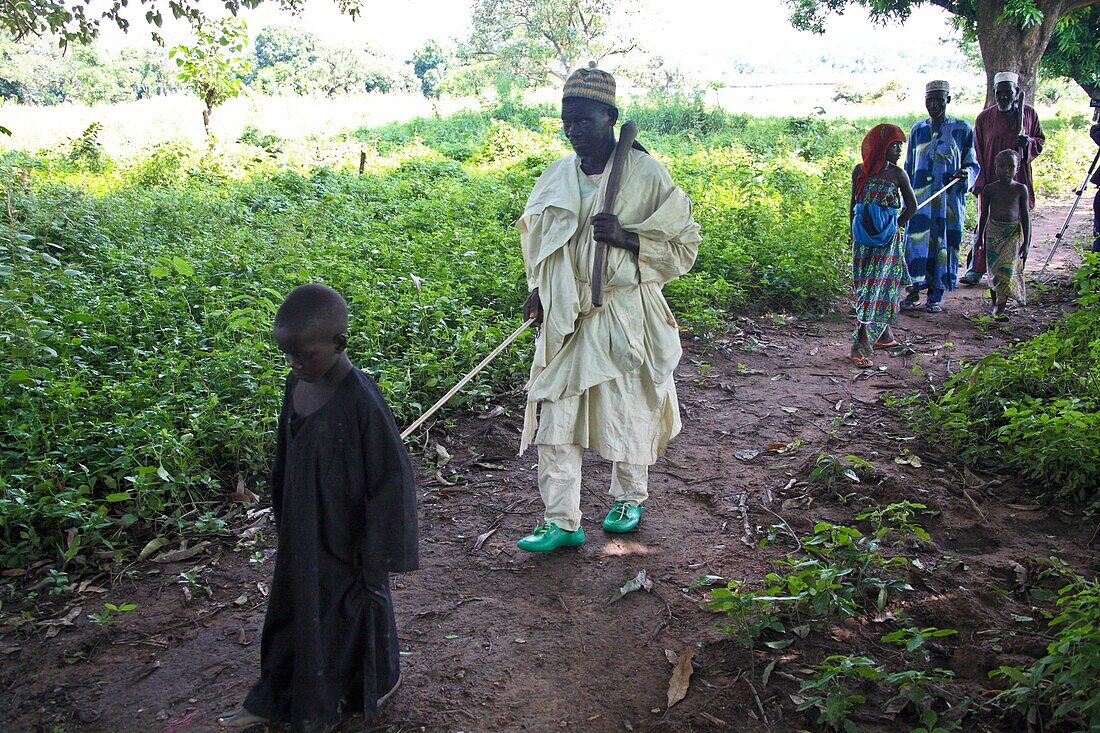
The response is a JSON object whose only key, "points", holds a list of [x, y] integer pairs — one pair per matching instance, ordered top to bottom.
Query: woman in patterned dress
{"points": [[881, 204]]}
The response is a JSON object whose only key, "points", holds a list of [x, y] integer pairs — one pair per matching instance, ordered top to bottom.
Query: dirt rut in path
{"points": [[495, 639]]}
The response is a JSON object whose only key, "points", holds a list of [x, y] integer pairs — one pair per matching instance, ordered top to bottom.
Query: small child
{"points": [[1004, 224], [345, 511]]}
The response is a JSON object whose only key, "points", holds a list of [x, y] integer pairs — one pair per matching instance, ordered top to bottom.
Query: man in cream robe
{"points": [[601, 378]]}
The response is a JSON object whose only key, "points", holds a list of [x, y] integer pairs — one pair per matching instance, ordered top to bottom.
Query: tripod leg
{"points": [[1096, 220], [1065, 224]]}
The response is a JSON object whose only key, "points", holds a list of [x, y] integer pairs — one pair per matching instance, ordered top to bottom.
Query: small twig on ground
{"points": [[598, 497], [974, 504], [785, 525], [746, 538], [664, 624], [759, 705], [716, 721]]}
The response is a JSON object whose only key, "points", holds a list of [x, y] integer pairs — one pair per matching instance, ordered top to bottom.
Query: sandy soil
{"points": [[496, 639]]}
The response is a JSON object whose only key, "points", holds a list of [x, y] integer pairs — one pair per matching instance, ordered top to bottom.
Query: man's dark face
{"points": [[1005, 94], [936, 104], [589, 125]]}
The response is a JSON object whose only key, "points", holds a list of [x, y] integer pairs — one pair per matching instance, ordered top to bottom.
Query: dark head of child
{"points": [[1005, 164], [311, 328]]}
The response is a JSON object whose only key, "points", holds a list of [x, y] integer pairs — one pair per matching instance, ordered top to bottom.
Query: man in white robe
{"points": [[601, 378]]}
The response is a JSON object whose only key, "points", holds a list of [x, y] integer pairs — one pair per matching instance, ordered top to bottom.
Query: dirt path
{"points": [[498, 640]]}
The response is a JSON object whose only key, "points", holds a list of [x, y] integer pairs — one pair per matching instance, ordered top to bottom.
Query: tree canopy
{"points": [[73, 20], [1012, 35], [538, 40], [213, 65]]}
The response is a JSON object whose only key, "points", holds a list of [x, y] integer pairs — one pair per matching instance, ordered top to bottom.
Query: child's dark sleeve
{"points": [[278, 466], [390, 541]]}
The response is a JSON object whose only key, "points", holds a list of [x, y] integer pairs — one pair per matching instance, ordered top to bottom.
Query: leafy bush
{"points": [[1034, 410], [839, 573], [1061, 687]]}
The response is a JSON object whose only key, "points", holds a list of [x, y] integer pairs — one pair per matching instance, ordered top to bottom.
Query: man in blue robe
{"points": [[940, 150]]}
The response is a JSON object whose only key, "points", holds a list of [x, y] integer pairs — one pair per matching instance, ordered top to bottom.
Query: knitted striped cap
{"points": [[591, 83]]}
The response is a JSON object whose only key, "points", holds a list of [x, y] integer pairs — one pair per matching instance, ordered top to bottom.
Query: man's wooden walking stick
{"points": [[627, 134]]}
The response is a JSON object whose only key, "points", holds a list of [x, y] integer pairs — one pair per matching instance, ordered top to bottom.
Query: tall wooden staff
{"points": [[1020, 113], [627, 134]]}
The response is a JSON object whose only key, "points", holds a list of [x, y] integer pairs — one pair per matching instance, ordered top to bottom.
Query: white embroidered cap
{"points": [[1006, 76]]}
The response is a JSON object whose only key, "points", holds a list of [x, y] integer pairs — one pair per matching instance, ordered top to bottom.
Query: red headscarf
{"points": [[873, 150]]}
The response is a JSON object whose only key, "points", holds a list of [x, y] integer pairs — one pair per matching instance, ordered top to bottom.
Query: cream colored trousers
{"points": [[560, 483]]}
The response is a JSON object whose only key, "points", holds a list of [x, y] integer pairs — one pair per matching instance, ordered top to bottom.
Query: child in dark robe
{"points": [[1004, 225], [345, 511]]}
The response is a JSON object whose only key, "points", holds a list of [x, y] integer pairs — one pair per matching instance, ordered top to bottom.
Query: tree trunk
{"points": [[1005, 47], [206, 119]]}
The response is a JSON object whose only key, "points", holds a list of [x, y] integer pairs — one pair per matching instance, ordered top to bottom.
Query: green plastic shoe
{"points": [[623, 517], [548, 537]]}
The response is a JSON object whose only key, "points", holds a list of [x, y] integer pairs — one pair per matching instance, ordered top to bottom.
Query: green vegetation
{"points": [[212, 67], [137, 293], [1034, 410], [838, 573], [1061, 687]]}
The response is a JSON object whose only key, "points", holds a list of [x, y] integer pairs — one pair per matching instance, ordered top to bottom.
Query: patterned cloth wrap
{"points": [[1002, 252], [878, 272]]}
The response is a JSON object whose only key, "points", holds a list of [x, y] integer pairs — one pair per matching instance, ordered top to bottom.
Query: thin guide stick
{"points": [[627, 134], [933, 197], [462, 382]]}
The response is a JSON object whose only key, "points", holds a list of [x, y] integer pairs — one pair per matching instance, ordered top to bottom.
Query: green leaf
{"points": [[183, 267], [20, 376], [117, 497], [152, 546]]}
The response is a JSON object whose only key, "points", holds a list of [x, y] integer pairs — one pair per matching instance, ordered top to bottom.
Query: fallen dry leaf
{"points": [[494, 411], [746, 455], [442, 456], [439, 479], [242, 495], [1024, 507], [482, 537], [152, 546], [184, 553], [1021, 574], [638, 582], [87, 587], [241, 599], [242, 639], [671, 656], [681, 677]]}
